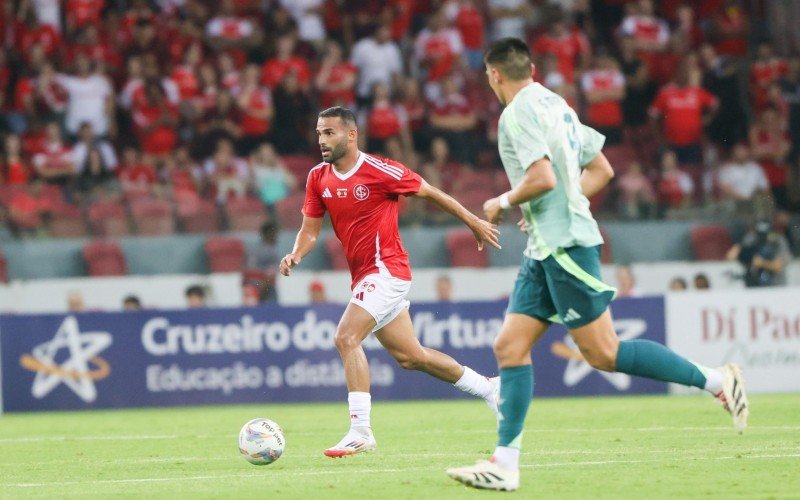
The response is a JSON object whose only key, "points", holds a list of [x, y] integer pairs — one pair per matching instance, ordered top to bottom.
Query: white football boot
{"points": [[733, 396], [494, 397], [355, 441], [486, 475]]}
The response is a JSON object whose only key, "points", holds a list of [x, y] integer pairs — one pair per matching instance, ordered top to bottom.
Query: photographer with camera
{"points": [[764, 253]]}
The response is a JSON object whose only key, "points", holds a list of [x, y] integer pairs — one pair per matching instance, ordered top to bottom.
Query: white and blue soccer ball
{"points": [[261, 441]]}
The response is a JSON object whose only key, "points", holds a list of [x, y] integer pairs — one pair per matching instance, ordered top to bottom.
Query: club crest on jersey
{"points": [[341, 192], [361, 192]]}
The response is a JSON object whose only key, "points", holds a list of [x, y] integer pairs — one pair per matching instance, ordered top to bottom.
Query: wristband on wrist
{"points": [[505, 204]]}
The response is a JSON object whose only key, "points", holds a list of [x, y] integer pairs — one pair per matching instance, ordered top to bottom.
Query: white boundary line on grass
{"points": [[722, 428], [376, 471]]}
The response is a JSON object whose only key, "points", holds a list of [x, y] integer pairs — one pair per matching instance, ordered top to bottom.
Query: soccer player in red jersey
{"points": [[360, 192]]}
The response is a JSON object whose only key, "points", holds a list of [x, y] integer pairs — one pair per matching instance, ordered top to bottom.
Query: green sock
{"points": [[649, 359], [516, 391]]}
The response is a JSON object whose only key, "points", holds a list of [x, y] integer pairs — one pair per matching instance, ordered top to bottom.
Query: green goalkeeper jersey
{"points": [[538, 123]]}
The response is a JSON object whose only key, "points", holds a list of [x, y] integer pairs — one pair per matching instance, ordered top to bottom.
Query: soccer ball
{"points": [[261, 441]]}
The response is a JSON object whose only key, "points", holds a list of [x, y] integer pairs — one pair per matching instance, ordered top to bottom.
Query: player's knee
{"points": [[345, 342], [503, 348], [601, 358], [411, 361]]}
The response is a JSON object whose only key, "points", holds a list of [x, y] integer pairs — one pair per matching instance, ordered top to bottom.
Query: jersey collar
{"points": [[352, 171]]}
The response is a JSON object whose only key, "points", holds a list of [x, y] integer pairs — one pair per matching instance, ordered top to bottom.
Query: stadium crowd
{"points": [[111, 103]]}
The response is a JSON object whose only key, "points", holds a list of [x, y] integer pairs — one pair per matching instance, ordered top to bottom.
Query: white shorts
{"points": [[384, 297]]}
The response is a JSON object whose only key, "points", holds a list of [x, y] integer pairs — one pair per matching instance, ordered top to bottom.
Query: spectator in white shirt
{"points": [[308, 16], [508, 18], [378, 61], [91, 98], [741, 179]]}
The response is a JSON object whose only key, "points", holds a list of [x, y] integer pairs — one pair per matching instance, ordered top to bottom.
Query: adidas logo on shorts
{"points": [[571, 315]]}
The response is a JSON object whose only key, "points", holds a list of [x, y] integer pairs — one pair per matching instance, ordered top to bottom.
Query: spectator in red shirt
{"points": [[83, 12], [471, 25], [227, 30], [730, 30], [650, 33], [43, 35], [567, 44], [437, 52], [285, 62], [228, 70], [766, 70], [185, 74], [336, 79], [604, 88], [255, 105], [684, 107], [23, 108], [416, 110], [453, 117], [155, 122], [386, 122], [771, 146], [54, 164], [14, 170], [137, 174], [228, 174], [676, 187], [637, 198], [28, 208]]}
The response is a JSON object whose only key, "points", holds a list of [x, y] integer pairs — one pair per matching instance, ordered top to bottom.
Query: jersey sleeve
{"points": [[527, 138], [591, 143], [408, 183], [313, 206]]}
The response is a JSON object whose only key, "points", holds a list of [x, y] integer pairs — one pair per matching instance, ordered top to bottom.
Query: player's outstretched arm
{"points": [[596, 174], [538, 179], [485, 232], [306, 240]]}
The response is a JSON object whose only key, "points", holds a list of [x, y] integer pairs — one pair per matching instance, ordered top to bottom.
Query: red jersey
{"points": [[469, 22], [566, 49], [276, 69], [763, 74], [337, 75], [682, 109], [608, 112], [363, 206]]}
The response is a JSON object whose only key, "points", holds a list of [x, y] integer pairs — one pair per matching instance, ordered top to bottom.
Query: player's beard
{"points": [[338, 152]]}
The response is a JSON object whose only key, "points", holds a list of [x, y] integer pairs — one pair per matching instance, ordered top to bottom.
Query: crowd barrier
{"points": [[277, 354]]}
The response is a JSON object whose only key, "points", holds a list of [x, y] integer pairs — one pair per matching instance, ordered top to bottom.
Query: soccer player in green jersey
{"points": [[554, 163]]}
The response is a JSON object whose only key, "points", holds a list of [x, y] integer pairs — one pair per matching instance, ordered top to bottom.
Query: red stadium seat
{"points": [[620, 156], [299, 166], [289, 211], [245, 214], [153, 217], [199, 217], [108, 219], [67, 222], [710, 242], [463, 250], [225, 255], [336, 255], [606, 256], [104, 258], [3, 268]]}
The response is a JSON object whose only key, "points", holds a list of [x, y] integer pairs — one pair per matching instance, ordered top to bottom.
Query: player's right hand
{"points": [[486, 232], [288, 263]]}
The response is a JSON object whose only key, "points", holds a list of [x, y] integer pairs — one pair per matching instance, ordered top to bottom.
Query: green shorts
{"points": [[563, 288]]}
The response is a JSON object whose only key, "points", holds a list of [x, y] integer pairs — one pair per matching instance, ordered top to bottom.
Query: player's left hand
{"points": [[494, 212], [486, 232]]}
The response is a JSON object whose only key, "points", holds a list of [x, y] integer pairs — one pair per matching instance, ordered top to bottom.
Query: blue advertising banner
{"points": [[270, 354]]}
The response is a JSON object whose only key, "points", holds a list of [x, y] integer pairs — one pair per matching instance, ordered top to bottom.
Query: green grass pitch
{"points": [[625, 447]]}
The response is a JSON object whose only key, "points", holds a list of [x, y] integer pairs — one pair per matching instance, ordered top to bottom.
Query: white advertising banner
{"points": [[759, 329]]}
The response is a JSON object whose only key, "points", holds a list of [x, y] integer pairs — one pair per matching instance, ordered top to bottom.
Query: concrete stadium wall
{"points": [[183, 254]]}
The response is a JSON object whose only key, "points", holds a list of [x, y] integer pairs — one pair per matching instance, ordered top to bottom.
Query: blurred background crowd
{"points": [[169, 116]]}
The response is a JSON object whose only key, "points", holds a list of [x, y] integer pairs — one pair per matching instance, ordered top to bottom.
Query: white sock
{"points": [[713, 381], [474, 383], [360, 406], [506, 457]]}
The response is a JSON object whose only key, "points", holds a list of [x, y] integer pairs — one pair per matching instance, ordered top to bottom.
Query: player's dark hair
{"points": [[511, 57], [344, 114], [196, 290]]}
